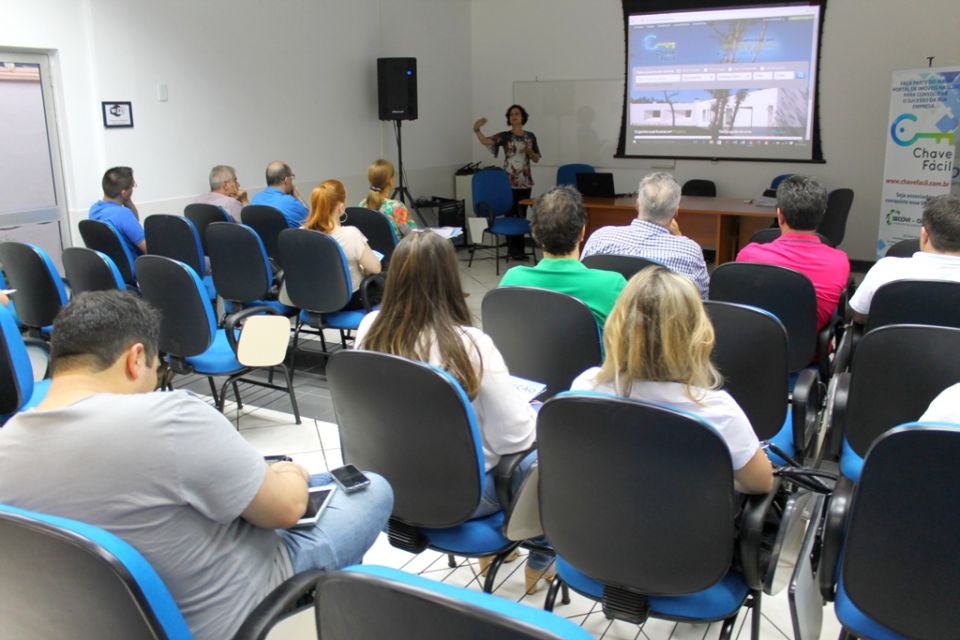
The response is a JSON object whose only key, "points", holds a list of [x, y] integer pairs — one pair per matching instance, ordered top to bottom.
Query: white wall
{"points": [[863, 42], [248, 82]]}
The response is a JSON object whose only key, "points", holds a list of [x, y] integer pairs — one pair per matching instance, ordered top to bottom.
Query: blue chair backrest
{"points": [[567, 173], [780, 178], [492, 193], [104, 237], [174, 237], [238, 261], [89, 270], [317, 277], [40, 291], [188, 324], [16, 372], [367, 387], [71, 579], [377, 602]]}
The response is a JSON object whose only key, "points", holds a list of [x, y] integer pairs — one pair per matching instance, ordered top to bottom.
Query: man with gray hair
{"points": [[225, 191], [801, 203], [558, 223], [654, 233], [938, 258]]}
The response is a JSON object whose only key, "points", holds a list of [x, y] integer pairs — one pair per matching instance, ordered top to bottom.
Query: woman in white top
{"points": [[327, 204], [424, 317], [657, 344]]}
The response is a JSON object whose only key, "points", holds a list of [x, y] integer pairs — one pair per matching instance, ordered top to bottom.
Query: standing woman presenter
{"points": [[519, 148]]}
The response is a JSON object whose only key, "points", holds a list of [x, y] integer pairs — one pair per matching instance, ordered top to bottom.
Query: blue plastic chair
{"points": [[567, 173], [780, 178], [493, 199], [103, 236], [176, 237], [89, 270], [242, 273], [40, 290], [189, 335], [18, 391], [430, 451], [652, 533], [896, 577], [71, 579], [371, 602]]}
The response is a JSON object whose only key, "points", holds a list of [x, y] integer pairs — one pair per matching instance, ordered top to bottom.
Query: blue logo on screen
{"points": [[409, 72]]}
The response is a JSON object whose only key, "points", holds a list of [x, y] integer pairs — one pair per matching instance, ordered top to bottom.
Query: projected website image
{"points": [[741, 78]]}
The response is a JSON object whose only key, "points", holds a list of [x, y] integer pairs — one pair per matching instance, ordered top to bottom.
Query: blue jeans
{"points": [[489, 503], [346, 529]]}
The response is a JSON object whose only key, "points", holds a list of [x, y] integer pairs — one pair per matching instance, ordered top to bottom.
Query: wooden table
{"points": [[722, 224]]}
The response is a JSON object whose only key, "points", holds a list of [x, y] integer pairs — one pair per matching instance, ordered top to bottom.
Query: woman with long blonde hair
{"points": [[383, 180], [327, 205], [424, 317], [657, 344]]}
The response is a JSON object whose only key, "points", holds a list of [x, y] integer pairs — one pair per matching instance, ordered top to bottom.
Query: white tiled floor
{"points": [[316, 445]]}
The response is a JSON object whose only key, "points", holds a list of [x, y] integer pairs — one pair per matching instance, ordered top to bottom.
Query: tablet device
{"points": [[317, 501]]}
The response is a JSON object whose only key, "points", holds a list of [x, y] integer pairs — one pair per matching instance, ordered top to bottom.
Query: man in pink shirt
{"points": [[801, 203]]}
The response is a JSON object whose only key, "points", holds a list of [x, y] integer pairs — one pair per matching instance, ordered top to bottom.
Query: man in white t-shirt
{"points": [[938, 258], [169, 474]]}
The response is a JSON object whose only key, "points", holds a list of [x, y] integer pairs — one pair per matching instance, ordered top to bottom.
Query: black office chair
{"points": [[699, 187], [202, 216], [268, 222], [834, 222], [377, 228], [763, 236], [103, 237], [175, 237], [903, 249], [628, 266], [89, 270], [241, 271], [317, 280], [40, 291], [787, 294], [545, 336], [192, 342], [751, 353], [896, 372], [429, 451], [638, 501], [897, 577], [69, 579], [371, 603]]}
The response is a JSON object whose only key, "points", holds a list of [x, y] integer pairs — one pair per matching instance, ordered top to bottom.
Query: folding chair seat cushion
{"points": [[349, 319], [219, 358], [471, 537], [153, 589], [715, 603], [538, 618], [853, 619]]}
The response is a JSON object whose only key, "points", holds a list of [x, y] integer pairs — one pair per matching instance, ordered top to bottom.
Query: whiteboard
{"points": [[574, 120]]}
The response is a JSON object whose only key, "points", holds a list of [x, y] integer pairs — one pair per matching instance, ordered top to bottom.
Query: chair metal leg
{"points": [[496, 242], [293, 351], [213, 392], [236, 394], [293, 396], [221, 400], [451, 561], [564, 593], [551, 598], [754, 603]]}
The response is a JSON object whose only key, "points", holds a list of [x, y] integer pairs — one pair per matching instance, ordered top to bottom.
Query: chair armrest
{"points": [[484, 210], [371, 290], [231, 322], [824, 338], [848, 343], [807, 395], [836, 416], [503, 474], [753, 519], [833, 532], [280, 602]]}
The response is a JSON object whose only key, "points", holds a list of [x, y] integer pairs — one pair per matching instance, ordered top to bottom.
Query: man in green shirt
{"points": [[558, 224]]}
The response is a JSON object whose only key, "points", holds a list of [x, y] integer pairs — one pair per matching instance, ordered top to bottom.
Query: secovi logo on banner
{"points": [[894, 216]]}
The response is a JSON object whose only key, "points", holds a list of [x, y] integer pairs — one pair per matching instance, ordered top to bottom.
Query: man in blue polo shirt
{"points": [[281, 194], [118, 209]]}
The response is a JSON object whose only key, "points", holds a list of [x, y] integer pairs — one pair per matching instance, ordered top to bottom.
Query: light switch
{"points": [[162, 95]]}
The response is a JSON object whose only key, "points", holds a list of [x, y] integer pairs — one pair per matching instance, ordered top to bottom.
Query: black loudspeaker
{"points": [[397, 88]]}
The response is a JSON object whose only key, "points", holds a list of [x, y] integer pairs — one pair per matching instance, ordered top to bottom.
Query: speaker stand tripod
{"points": [[401, 192]]}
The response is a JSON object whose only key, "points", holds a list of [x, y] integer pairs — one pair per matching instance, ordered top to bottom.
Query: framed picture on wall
{"points": [[117, 114]]}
